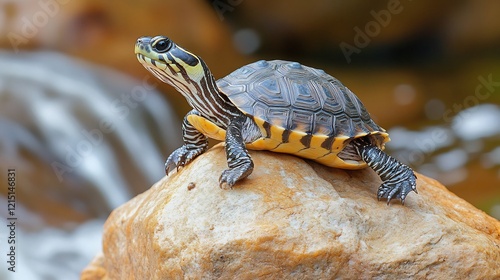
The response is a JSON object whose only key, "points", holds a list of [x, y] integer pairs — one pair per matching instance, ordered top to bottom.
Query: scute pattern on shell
{"points": [[297, 97]]}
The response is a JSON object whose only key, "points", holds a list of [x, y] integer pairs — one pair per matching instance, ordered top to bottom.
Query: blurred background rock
{"points": [[428, 71]]}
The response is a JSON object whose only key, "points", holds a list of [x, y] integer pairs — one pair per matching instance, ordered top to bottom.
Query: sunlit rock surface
{"points": [[294, 219]]}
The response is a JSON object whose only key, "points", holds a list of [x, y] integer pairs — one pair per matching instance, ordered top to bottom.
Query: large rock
{"points": [[294, 219]]}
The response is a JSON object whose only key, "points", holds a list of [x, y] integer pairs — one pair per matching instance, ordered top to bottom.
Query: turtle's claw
{"points": [[181, 157], [229, 177], [397, 190]]}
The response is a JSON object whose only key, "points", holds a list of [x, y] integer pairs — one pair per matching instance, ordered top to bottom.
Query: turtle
{"points": [[276, 105]]}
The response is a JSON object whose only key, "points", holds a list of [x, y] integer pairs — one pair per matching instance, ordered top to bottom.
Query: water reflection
{"points": [[478, 122], [83, 141], [454, 153]]}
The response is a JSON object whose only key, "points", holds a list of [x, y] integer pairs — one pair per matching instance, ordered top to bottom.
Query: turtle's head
{"points": [[169, 62], [184, 71]]}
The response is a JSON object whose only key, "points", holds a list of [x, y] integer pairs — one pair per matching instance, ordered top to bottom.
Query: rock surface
{"points": [[294, 219], [95, 270]]}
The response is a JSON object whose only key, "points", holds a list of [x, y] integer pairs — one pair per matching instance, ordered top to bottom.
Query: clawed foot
{"points": [[181, 157], [229, 177], [398, 190]]}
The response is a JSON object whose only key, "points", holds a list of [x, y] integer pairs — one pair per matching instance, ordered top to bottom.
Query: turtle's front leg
{"points": [[195, 143], [239, 161], [398, 179]]}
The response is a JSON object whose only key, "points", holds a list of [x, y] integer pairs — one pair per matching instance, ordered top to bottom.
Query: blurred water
{"points": [[478, 122], [469, 131], [83, 141], [453, 152], [53, 253]]}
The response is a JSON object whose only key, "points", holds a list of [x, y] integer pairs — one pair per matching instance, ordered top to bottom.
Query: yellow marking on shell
{"points": [[207, 127], [265, 143], [295, 147], [315, 150], [333, 160]]}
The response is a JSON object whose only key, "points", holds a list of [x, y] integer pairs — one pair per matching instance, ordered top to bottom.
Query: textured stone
{"points": [[295, 219], [95, 270]]}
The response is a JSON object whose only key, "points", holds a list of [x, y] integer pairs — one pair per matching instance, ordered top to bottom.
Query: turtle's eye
{"points": [[162, 45]]}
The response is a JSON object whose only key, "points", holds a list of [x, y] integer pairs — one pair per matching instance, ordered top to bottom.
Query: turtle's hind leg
{"points": [[398, 179]]}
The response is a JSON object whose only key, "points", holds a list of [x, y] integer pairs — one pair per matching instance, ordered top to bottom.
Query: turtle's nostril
{"points": [[143, 40]]}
